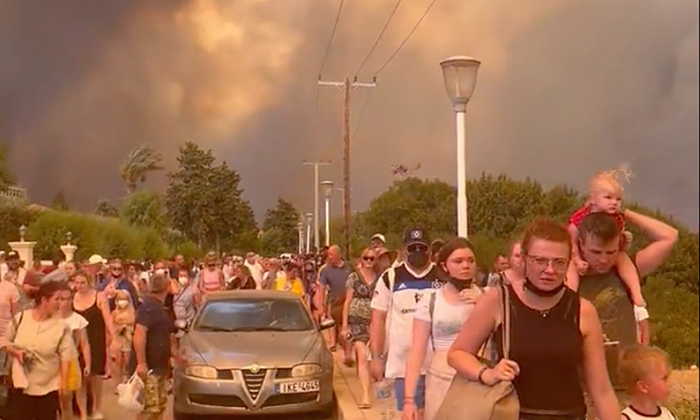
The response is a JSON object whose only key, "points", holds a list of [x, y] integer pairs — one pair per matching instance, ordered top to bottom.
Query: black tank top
{"points": [[548, 347]]}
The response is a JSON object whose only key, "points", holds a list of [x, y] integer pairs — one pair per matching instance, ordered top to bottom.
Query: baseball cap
{"points": [[416, 235], [378, 236], [12, 254], [96, 259]]}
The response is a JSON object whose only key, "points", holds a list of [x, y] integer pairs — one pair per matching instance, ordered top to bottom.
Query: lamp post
{"points": [[460, 79], [328, 192], [309, 219], [300, 232]]}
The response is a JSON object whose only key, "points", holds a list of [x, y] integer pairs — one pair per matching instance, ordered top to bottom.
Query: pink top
{"points": [[211, 280]]}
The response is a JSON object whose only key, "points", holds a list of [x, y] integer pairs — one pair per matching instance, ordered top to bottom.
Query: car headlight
{"points": [[309, 369], [200, 371]]}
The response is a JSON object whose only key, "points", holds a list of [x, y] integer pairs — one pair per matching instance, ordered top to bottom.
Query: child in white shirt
{"points": [[77, 325], [645, 370]]}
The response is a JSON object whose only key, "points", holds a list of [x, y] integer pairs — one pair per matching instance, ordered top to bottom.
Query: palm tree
{"points": [[138, 163]]}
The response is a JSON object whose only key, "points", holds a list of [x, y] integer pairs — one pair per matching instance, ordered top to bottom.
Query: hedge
{"points": [[109, 237]]}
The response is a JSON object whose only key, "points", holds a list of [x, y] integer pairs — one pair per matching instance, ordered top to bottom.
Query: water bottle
{"points": [[383, 391]]}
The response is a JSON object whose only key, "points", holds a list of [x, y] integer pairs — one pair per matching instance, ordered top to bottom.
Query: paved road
{"points": [[113, 411]]}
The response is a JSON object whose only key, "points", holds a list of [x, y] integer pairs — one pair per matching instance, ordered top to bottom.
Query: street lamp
{"points": [[460, 79], [328, 192], [309, 219], [300, 232]]}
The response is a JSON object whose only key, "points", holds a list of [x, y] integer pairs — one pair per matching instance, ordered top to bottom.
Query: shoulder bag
{"points": [[472, 400]]}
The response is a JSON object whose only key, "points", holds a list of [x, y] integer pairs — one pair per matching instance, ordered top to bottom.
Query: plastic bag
{"points": [[131, 394]]}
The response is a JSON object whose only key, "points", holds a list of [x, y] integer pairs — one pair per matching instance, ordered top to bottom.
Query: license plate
{"points": [[298, 387]]}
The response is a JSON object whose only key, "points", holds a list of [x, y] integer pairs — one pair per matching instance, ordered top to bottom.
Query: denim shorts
{"points": [[419, 396]]}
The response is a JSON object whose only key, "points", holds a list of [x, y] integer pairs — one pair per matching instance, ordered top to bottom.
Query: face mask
{"points": [[418, 259], [183, 280], [460, 284], [543, 293], [123, 304]]}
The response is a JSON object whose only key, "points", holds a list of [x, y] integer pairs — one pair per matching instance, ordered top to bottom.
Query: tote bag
{"points": [[472, 400]]}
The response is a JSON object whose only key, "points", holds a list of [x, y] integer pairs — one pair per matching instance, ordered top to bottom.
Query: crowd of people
{"points": [[414, 317]]}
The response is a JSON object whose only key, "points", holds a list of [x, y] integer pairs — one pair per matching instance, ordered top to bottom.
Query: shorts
{"points": [[336, 310], [75, 376], [399, 388], [155, 394]]}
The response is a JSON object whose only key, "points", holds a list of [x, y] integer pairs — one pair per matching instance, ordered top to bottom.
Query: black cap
{"points": [[416, 235]]}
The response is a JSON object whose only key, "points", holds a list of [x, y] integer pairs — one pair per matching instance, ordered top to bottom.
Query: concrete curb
{"points": [[347, 406]]}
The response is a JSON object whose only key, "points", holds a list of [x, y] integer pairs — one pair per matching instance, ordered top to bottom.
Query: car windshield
{"points": [[253, 315]]}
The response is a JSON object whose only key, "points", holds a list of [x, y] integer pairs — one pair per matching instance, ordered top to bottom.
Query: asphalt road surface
{"points": [[112, 411]]}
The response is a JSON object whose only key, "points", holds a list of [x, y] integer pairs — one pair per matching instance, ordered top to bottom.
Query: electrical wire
{"points": [[379, 38], [330, 41], [391, 57]]}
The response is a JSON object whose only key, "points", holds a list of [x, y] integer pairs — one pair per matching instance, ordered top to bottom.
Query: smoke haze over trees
{"points": [[567, 87]]}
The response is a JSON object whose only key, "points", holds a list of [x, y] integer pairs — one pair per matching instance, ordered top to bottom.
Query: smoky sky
{"points": [[566, 88]]}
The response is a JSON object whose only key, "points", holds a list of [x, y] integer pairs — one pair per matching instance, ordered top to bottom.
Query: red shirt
{"points": [[584, 211]]}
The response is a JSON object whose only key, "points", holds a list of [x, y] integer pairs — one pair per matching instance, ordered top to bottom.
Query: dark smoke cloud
{"points": [[567, 87]]}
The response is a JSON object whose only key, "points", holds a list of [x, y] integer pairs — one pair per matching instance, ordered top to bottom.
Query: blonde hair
{"points": [[612, 178], [638, 361]]}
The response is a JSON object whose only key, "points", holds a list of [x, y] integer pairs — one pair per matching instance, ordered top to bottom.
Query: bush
{"points": [[12, 217], [111, 238], [674, 320]]}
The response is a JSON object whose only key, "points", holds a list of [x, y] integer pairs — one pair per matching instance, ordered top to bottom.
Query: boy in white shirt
{"points": [[644, 371]]}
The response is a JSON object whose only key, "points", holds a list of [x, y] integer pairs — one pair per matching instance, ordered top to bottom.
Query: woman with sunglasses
{"points": [[211, 278], [357, 315], [437, 322], [556, 339]]}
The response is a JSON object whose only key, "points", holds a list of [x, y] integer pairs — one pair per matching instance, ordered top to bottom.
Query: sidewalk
{"points": [[348, 393]]}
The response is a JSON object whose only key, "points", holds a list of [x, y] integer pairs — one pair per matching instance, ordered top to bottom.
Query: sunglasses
{"points": [[417, 248], [368, 259], [117, 270]]}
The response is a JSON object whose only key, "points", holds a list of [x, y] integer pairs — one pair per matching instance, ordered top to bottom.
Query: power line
{"points": [[430, 6], [381, 34], [330, 41]]}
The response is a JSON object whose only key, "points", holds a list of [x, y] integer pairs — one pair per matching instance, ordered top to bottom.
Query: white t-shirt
{"points": [[256, 270], [409, 289], [447, 319], [75, 321], [663, 414]]}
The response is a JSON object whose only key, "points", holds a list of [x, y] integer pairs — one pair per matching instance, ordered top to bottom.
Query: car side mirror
{"points": [[327, 324], [181, 325]]}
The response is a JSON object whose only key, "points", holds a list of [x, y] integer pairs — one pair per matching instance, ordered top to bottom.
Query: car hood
{"points": [[238, 350]]}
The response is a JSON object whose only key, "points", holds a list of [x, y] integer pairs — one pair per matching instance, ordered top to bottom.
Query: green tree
{"points": [[138, 163], [6, 176], [204, 201], [59, 202], [410, 202], [144, 208], [106, 209], [280, 229]]}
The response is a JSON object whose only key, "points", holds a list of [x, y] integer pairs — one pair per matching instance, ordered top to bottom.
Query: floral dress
{"points": [[360, 313]]}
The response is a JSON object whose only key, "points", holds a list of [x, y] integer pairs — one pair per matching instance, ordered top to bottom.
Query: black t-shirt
{"points": [[152, 315]]}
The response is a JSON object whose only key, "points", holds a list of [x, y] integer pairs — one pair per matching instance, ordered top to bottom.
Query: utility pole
{"points": [[347, 86], [317, 238]]}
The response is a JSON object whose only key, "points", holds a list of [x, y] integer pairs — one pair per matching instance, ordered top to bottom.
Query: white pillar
{"points": [[328, 221], [462, 229], [308, 237], [25, 251], [69, 251]]}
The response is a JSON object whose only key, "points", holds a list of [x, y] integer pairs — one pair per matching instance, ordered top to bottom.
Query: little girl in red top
{"points": [[605, 196]]}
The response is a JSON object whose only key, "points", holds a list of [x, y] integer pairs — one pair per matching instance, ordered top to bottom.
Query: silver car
{"points": [[251, 352]]}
